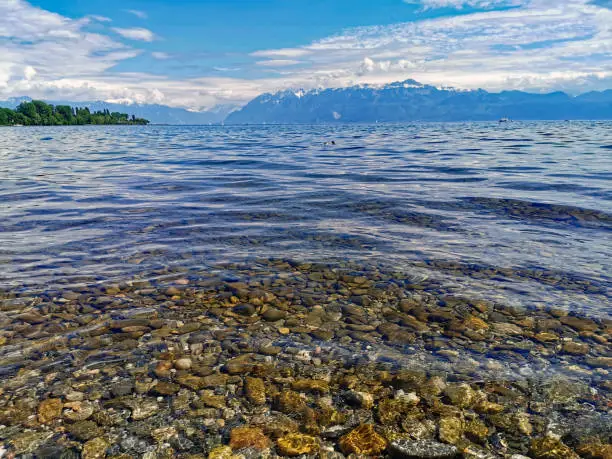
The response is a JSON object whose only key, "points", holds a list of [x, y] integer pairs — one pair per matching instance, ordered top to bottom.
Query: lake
{"points": [[476, 255]]}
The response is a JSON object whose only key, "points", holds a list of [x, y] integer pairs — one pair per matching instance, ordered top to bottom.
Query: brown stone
{"points": [[475, 323], [579, 324], [546, 337], [573, 348], [600, 362], [162, 369], [192, 382], [311, 385], [165, 388], [255, 390], [214, 401], [290, 402], [49, 409], [451, 430], [248, 437], [363, 440], [297, 444], [95, 448], [550, 448], [595, 451], [221, 452]]}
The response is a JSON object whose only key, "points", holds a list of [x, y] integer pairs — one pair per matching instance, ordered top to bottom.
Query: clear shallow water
{"points": [[519, 213]]}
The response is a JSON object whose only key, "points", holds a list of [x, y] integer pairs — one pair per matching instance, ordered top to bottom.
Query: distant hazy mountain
{"points": [[413, 101], [157, 114]]}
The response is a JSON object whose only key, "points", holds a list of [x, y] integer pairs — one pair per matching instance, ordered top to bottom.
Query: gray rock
{"points": [[122, 388], [424, 449]]}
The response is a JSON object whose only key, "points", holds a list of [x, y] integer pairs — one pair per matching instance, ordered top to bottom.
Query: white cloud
{"points": [[460, 4], [138, 13], [95, 17], [136, 33], [541, 45], [40, 47], [282, 53], [160, 55], [278, 63], [369, 65], [227, 69], [29, 73]]}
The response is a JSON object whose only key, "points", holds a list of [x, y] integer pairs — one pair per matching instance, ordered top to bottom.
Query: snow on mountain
{"points": [[410, 100]]}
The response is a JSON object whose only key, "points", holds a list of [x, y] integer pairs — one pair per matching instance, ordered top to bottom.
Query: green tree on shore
{"points": [[38, 113]]}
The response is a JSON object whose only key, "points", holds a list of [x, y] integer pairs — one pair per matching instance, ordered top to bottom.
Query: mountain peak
{"points": [[410, 100]]}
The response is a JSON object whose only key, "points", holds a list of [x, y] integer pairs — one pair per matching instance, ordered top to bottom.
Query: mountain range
{"points": [[403, 101], [412, 101]]}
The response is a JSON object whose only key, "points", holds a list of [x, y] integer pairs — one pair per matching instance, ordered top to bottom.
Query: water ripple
{"points": [[520, 212]]}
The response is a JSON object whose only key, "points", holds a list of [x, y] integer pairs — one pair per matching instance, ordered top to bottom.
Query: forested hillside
{"points": [[38, 113]]}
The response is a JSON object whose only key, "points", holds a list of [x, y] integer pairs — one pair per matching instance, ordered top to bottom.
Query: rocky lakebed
{"points": [[281, 358]]}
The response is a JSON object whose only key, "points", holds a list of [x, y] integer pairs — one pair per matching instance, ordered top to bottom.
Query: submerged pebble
{"points": [[341, 362]]}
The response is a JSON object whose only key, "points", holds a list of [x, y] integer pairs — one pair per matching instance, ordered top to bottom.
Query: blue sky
{"points": [[203, 36], [200, 53]]}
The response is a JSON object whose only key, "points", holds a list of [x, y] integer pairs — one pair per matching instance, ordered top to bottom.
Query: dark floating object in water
{"points": [[504, 120], [47, 138], [329, 143]]}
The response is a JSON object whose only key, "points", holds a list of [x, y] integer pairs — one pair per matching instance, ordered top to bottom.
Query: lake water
{"points": [[519, 212], [427, 290]]}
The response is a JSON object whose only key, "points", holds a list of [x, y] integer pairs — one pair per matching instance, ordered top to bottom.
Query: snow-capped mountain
{"points": [[412, 101]]}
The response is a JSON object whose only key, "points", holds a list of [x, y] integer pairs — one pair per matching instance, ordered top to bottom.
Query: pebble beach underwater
{"points": [[436, 290]]}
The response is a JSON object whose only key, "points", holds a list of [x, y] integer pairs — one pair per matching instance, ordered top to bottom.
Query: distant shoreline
{"points": [[38, 113], [335, 124]]}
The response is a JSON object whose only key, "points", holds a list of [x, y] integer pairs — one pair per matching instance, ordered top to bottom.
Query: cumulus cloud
{"points": [[136, 33], [539, 45], [542, 45], [40, 48], [369, 65], [29, 73]]}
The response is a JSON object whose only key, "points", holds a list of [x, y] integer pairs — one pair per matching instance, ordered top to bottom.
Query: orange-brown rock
{"points": [[475, 323], [162, 369], [311, 385], [255, 390], [290, 402], [49, 410], [248, 437], [363, 440], [297, 444]]}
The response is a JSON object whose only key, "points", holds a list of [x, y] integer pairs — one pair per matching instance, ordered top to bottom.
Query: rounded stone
{"points": [[246, 310], [274, 315], [183, 364], [95, 448]]}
